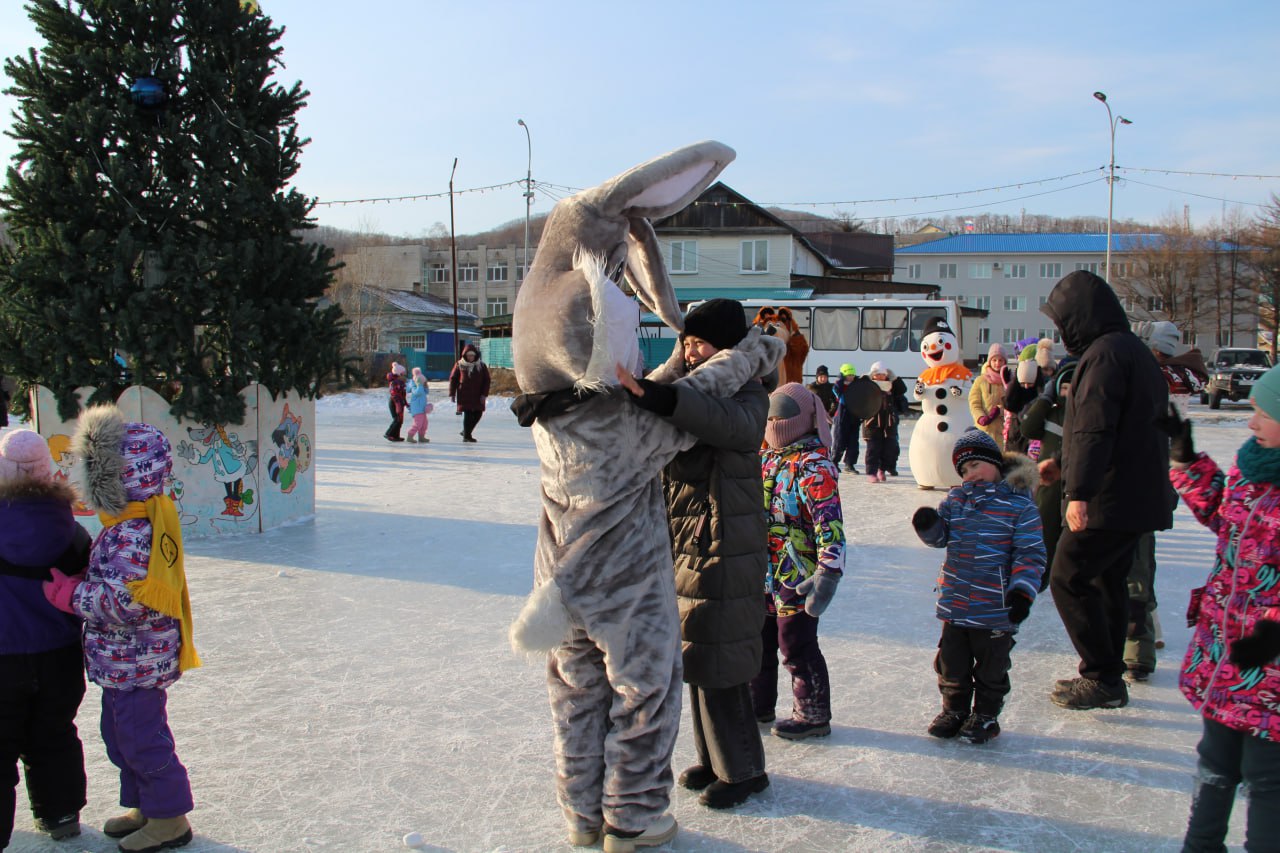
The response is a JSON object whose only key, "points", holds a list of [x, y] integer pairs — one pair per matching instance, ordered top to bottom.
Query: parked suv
{"points": [[1232, 374]]}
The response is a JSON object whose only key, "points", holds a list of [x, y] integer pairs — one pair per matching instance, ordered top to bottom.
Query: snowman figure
{"points": [[942, 390]]}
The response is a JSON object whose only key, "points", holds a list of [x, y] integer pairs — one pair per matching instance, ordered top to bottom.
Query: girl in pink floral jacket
{"points": [[1231, 673]]}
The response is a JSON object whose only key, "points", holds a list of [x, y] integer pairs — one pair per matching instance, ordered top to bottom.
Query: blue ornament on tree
{"points": [[148, 94]]}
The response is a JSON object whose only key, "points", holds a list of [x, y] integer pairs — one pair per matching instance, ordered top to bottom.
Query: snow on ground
{"points": [[358, 685]]}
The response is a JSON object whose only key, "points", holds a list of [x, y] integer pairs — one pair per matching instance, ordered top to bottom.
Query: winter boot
{"points": [[411, 440], [880, 476], [1138, 674], [1087, 694], [766, 717], [947, 724], [979, 728], [799, 730], [697, 777], [726, 795], [126, 824], [67, 826], [660, 832], [158, 834], [587, 838]]}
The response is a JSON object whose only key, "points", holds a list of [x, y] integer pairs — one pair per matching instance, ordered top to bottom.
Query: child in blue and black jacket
{"points": [[995, 555]]}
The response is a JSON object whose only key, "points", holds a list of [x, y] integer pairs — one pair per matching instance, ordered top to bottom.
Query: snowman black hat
{"points": [[937, 324]]}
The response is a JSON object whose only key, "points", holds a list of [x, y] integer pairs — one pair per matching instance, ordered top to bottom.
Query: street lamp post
{"points": [[1112, 123], [528, 196]]}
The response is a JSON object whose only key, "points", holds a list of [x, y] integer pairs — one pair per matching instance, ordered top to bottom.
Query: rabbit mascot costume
{"points": [[603, 607]]}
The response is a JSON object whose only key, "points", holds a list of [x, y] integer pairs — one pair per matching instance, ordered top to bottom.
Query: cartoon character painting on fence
{"points": [[291, 455], [232, 459]]}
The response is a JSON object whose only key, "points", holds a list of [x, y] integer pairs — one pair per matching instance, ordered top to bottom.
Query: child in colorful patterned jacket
{"points": [[995, 555], [806, 559], [137, 613], [1231, 673]]}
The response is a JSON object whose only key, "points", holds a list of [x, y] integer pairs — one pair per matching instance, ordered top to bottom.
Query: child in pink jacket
{"points": [[1231, 673]]}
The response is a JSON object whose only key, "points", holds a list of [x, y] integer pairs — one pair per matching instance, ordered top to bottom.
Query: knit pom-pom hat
{"points": [[397, 368], [794, 412], [976, 444], [25, 453]]}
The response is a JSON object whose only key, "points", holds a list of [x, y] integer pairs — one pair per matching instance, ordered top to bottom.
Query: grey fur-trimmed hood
{"points": [[99, 464], [1021, 472]]}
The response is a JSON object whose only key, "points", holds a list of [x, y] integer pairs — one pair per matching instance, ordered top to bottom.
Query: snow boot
{"points": [[411, 440], [1087, 694], [947, 724], [980, 728], [799, 730], [697, 777], [726, 795], [126, 824], [67, 826], [660, 832], [158, 834], [587, 838]]}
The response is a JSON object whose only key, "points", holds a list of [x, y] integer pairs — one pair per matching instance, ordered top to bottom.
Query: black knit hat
{"points": [[720, 322], [821, 371], [976, 444]]}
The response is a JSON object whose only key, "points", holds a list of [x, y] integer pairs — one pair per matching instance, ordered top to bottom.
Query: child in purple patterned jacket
{"points": [[137, 613], [1231, 673]]}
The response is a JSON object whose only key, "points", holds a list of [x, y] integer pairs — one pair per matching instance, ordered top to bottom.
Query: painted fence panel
{"points": [[226, 478]]}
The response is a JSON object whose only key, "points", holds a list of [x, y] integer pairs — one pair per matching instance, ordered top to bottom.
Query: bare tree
{"points": [[1263, 259], [1167, 277]]}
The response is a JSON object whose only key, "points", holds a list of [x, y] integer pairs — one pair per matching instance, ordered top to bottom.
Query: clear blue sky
{"points": [[823, 101]]}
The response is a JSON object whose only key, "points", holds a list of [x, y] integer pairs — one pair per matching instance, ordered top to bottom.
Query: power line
{"points": [[1195, 174], [1197, 195], [420, 196]]}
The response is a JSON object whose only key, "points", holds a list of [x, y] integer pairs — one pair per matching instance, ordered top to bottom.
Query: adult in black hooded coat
{"points": [[1115, 473]]}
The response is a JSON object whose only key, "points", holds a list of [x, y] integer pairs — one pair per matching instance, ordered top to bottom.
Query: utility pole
{"points": [[453, 259]]}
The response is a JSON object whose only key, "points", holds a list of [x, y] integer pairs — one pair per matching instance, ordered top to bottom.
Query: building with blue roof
{"points": [[1011, 275]]}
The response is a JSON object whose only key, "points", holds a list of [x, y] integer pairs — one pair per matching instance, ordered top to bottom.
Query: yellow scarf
{"points": [[164, 589]]}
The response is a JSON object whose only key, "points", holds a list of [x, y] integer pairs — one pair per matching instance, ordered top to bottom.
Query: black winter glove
{"points": [[659, 399], [1181, 447], [925, 518], [1019, 608], [1260, 647]]}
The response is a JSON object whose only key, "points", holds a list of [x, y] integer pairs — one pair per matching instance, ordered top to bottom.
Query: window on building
{"points": [[684, 256], [755, 256], [1093, 267], [913, 270], [979, 270], [1015, 270], [1051, 270], [1124, 270], [497, 271], [947, 271], [519, 272], [438, 273], [468, 273], [961, 299], [1044, 300], [982, 303], [1015, 303], [1155, 303], [468, 305], [495, 305], [834, 328], [884, 329], [1051, 334], [984, 335], [1012, 336], [413, 342]]}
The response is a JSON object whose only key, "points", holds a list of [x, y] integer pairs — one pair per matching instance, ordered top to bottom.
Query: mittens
{"points": [[993, 414], [983, 420], [1181, 447], [924, 518], [60, 590], [818, 590], [1019, 607], [1258, 648]]}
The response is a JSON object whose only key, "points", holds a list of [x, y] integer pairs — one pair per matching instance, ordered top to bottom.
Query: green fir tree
{"points": [[163, 233]]}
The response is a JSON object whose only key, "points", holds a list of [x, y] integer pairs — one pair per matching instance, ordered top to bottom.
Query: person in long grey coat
{"points": [[719, 541]]}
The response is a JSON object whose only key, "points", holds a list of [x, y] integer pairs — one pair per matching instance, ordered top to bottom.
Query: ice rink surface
{"points": [[358, 684]]}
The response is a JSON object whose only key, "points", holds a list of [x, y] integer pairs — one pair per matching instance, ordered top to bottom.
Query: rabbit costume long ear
{"points": [[568, 304]]}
